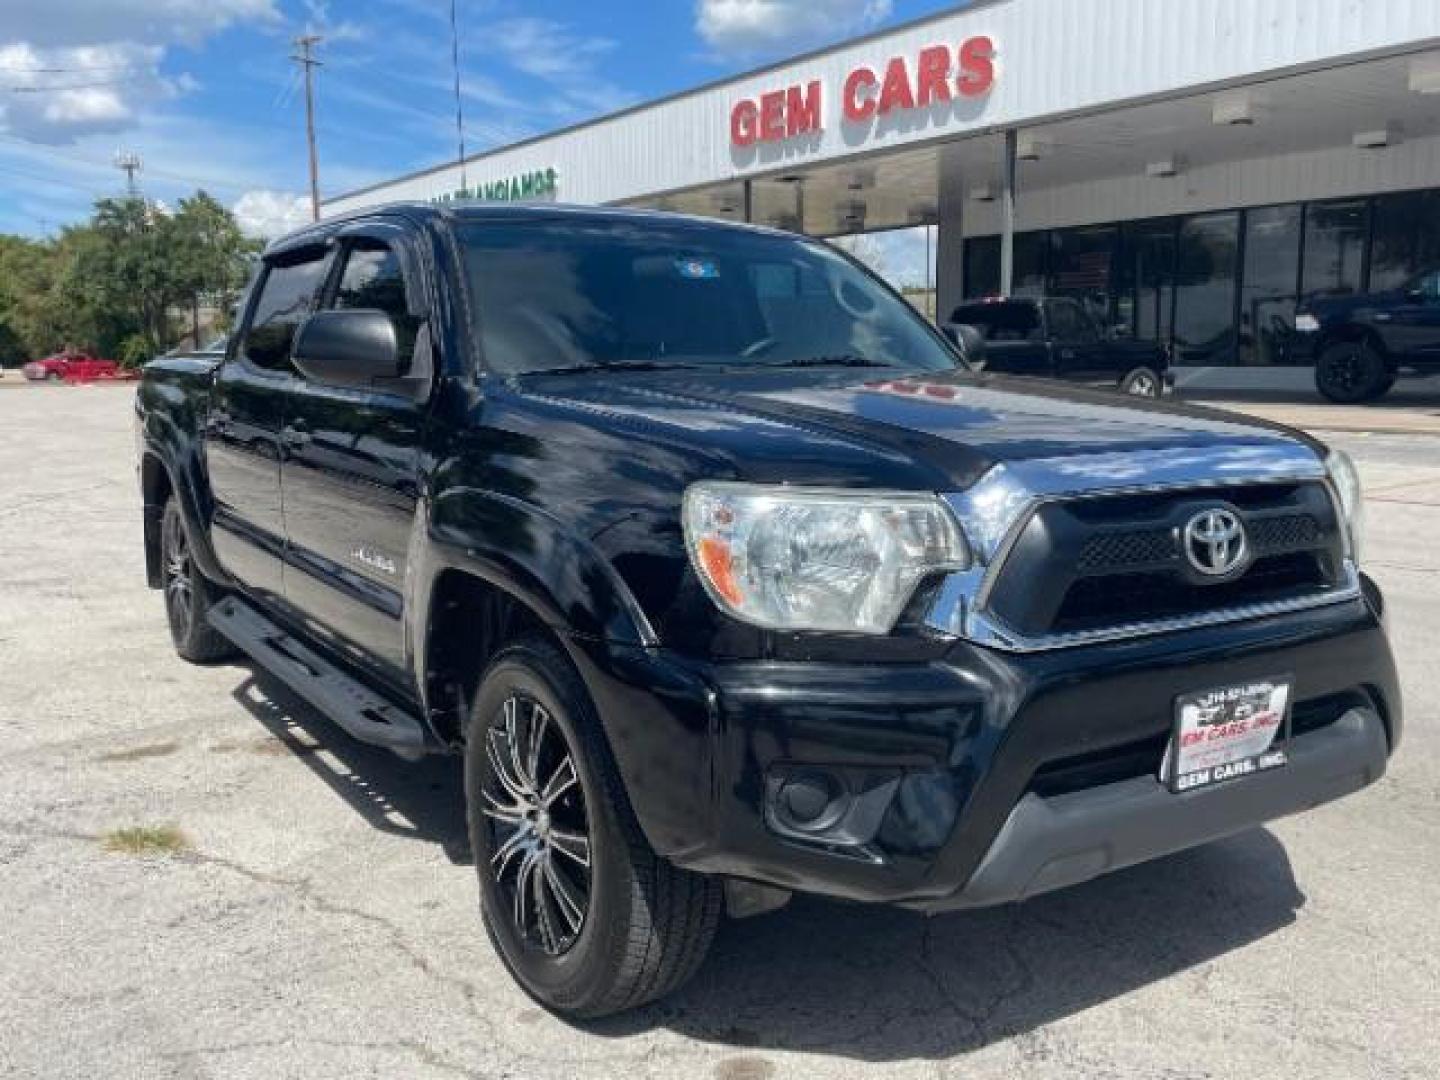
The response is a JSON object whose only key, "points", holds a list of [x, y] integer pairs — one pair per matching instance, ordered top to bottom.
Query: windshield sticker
{"points": [[697, 269]]}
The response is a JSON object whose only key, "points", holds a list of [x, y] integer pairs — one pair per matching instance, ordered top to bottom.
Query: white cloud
{"points": [[75, 22], [747, 27], [59, 95], [269, 214]]}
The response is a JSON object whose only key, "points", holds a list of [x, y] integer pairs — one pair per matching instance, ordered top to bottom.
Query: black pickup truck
{"points": [[1057, 338], [1361, 344], [728, 579]]}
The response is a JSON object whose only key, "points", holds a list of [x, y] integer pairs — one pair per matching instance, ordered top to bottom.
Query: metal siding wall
{"points": [[1054, 57], [1320, 174]]}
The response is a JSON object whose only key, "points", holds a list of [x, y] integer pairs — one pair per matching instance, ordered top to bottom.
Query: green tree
{"points": [[211, 255]]}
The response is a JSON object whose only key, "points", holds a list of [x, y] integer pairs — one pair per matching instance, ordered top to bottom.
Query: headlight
{"points": [[1306, 324], [1346, 481], [811, 559]]}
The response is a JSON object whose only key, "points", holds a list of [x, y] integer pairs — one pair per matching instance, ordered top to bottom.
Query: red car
{"points": [[72, 366]]}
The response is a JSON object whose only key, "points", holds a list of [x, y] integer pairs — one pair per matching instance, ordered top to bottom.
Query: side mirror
{"points": [[970, 341], [348, 348]]}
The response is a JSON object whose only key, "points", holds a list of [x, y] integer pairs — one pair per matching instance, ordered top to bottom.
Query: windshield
{"points": [[564, 295]]}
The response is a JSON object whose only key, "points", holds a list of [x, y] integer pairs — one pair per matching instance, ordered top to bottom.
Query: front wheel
{"points": [[1351, 372], [1142, 382], [584, 914]]}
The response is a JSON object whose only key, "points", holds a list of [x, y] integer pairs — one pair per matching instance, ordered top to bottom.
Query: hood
{"points": [[944, 430]]}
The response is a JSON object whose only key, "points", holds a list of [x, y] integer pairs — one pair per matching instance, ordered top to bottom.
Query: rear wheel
{"points": [[1350, 372], [52, 376], [188, 595], [586, 917]]}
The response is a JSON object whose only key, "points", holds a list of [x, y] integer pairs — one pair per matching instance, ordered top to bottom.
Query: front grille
{"points": [[1091, 564]]}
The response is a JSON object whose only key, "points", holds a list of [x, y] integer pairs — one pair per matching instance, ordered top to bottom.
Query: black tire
{"points": [[1351, 372], [52, 376], [1142, 382], [188, 594], [645, 926]]}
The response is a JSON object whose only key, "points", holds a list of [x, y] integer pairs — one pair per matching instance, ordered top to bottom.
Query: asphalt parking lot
{"points": [[312, 912]]}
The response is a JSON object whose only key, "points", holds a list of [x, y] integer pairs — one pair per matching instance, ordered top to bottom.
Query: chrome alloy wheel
{"points": [[175, 567], [539, 830]]}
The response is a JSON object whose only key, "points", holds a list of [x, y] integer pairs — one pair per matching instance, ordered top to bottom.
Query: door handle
{"points": [[295, 436]]}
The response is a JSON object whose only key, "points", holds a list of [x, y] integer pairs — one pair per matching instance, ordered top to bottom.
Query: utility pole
{"points": [[306, 59]]}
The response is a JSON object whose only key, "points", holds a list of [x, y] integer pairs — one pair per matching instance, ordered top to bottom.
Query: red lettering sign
{"points": [[977, 67], [935, 77], [859, 95], [744, 124]]}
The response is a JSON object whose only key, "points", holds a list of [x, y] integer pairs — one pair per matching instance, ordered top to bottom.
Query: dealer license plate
{"points": [[1227, 733]]}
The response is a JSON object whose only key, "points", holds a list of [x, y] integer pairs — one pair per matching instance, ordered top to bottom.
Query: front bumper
{"points": [[981, 777], [1048, 844]]}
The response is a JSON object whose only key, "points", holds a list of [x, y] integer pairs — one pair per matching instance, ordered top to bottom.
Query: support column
{"points": [[748, 187], [1007, 215], [950, 232]]}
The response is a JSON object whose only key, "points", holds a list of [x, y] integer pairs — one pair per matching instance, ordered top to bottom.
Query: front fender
{"points": [[169, 436], [532, 555]]}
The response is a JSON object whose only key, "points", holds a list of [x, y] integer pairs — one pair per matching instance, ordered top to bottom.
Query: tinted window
{"points": [[1407, 238], [1334, 247], [1081, 265], [982, 266], [1205, 274], [1272, 275], [373, 279], [1145, 279], [559, 295], [286, 297], [1001, 322], [1068, 323]]}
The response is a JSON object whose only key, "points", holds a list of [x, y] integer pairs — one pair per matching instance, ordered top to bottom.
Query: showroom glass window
{"points": [[1406, 238], [1334, 262], [1081, 264], [982, 265], [1145, 280], [1205, 281], [1269, 282]]}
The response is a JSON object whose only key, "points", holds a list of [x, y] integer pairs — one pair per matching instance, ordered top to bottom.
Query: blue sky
{"points": [[204, 90]]}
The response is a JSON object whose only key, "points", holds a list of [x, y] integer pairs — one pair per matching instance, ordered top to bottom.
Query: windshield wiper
{"points": [[841, 360], [615, 365]]}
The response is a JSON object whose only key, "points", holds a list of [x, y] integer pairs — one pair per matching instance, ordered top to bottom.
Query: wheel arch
{"points": [[1357, 334], [493, 569]]}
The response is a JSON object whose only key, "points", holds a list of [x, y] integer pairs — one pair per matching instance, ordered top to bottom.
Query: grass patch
{"points": [[146, 840]]}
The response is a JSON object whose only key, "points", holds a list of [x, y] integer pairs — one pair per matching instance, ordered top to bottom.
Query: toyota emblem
{"points": [[1215, 542]]}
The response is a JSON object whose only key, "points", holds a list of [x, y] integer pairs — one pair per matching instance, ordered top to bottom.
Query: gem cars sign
{"points": [[936, 76]]}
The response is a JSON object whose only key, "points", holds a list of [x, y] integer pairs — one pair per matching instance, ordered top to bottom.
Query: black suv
{"points": [[1057, 338], [1361, 344], [728, 579]]}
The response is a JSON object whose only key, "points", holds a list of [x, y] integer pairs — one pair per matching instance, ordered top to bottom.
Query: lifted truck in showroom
{"points": [[729, 579]]}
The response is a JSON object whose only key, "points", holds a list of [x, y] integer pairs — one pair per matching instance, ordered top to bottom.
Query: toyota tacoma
{"points": [[728, 579]]}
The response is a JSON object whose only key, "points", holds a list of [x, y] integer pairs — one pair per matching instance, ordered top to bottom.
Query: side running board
{"points": [[360, 711]]}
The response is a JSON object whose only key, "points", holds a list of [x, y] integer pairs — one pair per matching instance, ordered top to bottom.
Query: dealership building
{"points": [[1191, 169]]}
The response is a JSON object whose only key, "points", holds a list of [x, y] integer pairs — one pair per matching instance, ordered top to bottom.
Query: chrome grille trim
{"points": [[996, 510]]}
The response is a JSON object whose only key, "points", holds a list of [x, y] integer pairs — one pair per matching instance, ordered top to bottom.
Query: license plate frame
{"points": [[1228, 732]]}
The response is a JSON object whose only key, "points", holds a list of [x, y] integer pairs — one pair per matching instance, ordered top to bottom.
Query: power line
{"points": [[307, 60]]}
